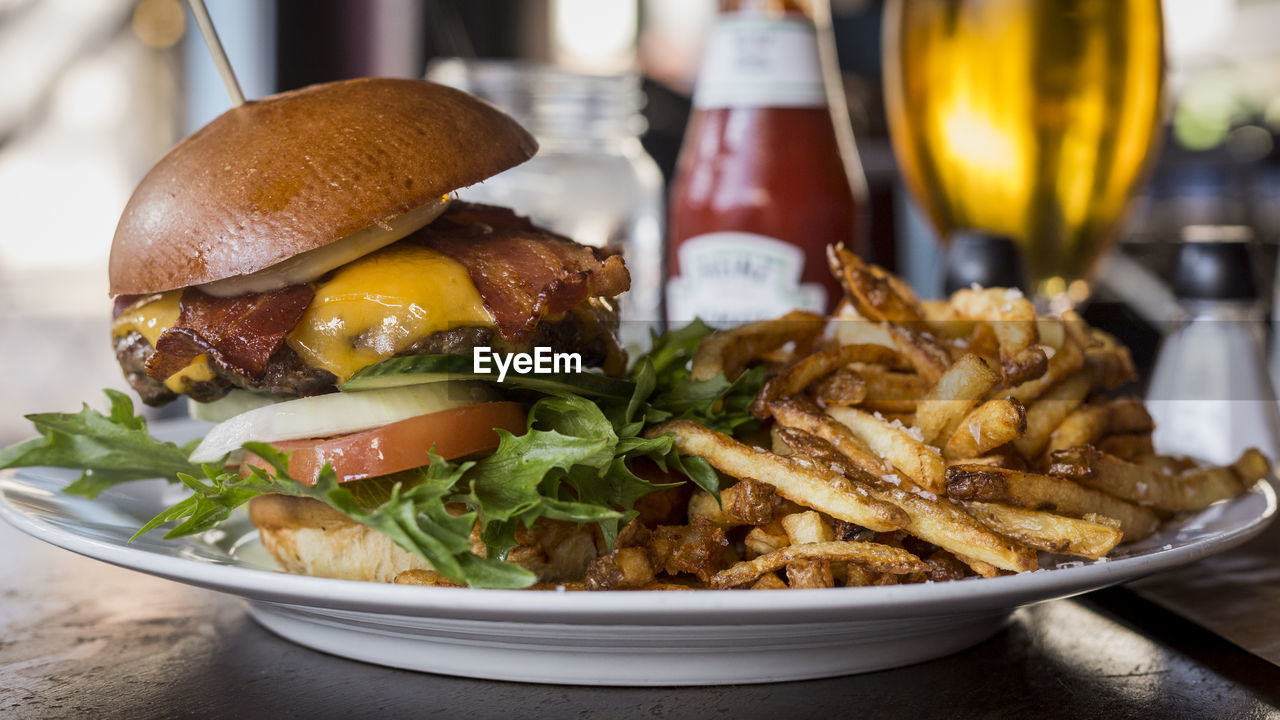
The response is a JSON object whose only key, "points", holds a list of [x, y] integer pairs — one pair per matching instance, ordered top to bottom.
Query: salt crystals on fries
{"points": [[914, 440]]}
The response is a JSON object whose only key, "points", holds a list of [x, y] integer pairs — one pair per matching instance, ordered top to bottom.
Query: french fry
{"points": [[876, 294], [940, 314], [1013, 319], [850, 328], [1077, 329], [1051, 332], [981, 341], [729, 351], [927, 356], [1066, 360], [1112, 360], [1024, 366], [813, 367], [842, 387], [888, 391], [955, 392], [1048, 412], [1128, 415], [808, 418], [906, 419], [990, 425], [1083, 426], [897, 444], [1128, 446], [1001, 458], [1167, 464], [1251, 467], [804, 483], [984, 483], [1193, 490], [749, 502], [745, 503], [702, 504], [932, 519], [1102, 520], [807, 527], [1046, 531], [762, 541], [873, 556], [634, 565], [622, 569], [985, 569], [810, 574], [858, 576], [428, 578], [769, 581], [660, 585], [570, 586]]}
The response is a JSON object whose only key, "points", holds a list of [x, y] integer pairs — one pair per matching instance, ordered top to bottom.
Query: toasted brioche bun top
{"points": [[296, 171]]}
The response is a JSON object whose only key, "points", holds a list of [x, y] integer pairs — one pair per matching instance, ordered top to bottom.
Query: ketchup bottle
{"points": [[765, 181]]}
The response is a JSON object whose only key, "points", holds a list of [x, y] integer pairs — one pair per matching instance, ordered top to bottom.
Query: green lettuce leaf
{"points": [[110, 449]]}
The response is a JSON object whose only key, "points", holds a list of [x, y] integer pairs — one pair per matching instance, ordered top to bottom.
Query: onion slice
{"points": [[311, 264], [335, 414]]}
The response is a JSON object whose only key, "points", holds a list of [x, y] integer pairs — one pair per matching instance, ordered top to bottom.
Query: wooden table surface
{"points": [[79, 638]]}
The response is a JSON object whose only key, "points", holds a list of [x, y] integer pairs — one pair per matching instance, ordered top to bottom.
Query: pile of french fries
{"points": [[912, 440]]}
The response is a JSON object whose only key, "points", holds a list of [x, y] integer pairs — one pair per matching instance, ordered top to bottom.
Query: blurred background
{"points": [[94, 93]]}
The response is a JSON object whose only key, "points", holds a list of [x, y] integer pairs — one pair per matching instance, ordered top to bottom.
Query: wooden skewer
{"points": [[216, 50]]}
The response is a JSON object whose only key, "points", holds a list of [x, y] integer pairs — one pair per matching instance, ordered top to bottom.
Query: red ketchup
{"points": [[761, 185]]}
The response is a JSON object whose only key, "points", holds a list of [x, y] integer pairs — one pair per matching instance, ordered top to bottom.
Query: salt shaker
{"points": [[1210, 394]]}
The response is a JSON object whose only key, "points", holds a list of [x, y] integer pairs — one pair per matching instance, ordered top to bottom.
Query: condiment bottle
{"points": [[766, 179], [1210, 394]]}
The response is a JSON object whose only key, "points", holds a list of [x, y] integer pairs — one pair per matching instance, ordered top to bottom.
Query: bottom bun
{"points": [[307, 537]]}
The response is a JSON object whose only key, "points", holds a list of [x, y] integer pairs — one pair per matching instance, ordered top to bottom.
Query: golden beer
{"points": [[1029, 118]]}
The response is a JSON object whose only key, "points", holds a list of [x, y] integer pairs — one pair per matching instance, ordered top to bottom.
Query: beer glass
{"points": [[1031, 119]]}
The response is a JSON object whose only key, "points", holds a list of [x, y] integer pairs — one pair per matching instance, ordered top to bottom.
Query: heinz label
{"points": [[760, 62], [727, 278]]}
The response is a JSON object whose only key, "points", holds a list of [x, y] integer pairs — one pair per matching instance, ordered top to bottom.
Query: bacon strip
{"points": [[523, 272], [240, 333]]}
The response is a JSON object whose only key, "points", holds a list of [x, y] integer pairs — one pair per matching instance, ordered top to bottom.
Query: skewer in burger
{"points": [[301, 238]]}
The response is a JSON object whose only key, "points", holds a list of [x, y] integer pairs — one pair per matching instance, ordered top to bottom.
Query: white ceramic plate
{"points": [[621, 638]]}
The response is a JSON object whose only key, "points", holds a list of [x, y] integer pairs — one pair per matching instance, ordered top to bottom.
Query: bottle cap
{"points": [[984, 258], [1214, 263]]}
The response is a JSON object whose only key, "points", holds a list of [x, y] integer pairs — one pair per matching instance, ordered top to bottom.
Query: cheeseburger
{"points": [[302, 238]]}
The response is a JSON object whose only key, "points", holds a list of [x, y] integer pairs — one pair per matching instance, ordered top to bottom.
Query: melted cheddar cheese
{"points": [[379, 305], [367, 311], [152, 318]]}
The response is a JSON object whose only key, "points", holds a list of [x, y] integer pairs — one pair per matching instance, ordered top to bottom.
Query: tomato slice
{"points": [[402, 445]]}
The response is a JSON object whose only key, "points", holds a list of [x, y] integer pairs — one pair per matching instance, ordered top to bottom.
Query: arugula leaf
{"points": [[672, 351], [663, 375], [110, 449], [697, 470], [506, 483], [209, 504]]}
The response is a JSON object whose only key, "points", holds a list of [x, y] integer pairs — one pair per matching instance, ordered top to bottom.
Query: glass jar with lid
{"points": [[591, 179]]}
